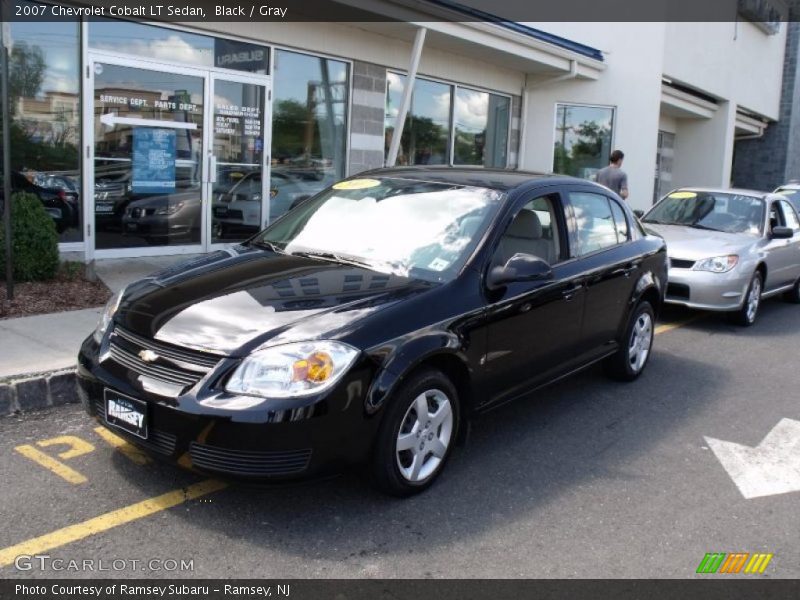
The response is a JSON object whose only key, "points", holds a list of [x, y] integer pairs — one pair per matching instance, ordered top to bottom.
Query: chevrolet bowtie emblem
{"points": [[148, 355]]}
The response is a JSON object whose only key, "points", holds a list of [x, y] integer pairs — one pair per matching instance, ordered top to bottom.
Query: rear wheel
{"points": [[746, 315], [634, 352], [417, 434]]}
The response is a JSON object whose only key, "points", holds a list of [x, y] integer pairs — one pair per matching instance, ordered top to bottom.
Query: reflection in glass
{"points": [[45, 112], [309, 125], [481, 128], [426, 132], [583, 139], [239, 148], [147, 176]]}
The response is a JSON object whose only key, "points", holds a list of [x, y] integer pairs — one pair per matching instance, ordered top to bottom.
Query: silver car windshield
{"points": [[716, 211], [425, 230]]}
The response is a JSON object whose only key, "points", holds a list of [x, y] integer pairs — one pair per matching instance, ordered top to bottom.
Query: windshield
{"points": [[717, 211], [411, 228]]}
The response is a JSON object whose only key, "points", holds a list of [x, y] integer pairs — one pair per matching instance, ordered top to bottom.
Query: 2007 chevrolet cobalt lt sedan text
{"points": [[371, 322]]}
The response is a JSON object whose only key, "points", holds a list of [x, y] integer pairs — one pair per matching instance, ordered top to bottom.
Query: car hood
{"points": [[693, 244], [234, 301]]}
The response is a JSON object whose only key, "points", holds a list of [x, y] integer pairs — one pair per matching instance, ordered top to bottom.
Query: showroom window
{"points": [[44, 89], [442, 116], [309, 125], [583, 139]]}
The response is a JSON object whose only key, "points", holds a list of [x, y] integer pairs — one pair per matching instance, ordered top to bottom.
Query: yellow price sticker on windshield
{"points": [[356, 184], [683, 195]]}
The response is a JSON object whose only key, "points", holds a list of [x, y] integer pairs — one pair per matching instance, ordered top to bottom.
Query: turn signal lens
{"points": [[320, 367]]}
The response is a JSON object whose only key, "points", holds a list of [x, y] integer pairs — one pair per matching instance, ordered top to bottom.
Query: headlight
{"points": [[170, 209], [717, 264], [108, 313], [292, 370]]}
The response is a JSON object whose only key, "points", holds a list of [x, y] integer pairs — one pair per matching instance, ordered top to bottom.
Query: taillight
{"points": [[62, 195]]}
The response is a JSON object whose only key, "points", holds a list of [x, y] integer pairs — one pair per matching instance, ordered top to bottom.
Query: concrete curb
{"points": [[37, 391]]}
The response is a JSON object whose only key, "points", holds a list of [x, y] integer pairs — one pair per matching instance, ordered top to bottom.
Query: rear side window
{"points": [[620, 222], [596, 227]]}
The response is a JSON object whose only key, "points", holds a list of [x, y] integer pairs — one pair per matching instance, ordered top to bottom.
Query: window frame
{"points": [[454, 87], [612, 107]]}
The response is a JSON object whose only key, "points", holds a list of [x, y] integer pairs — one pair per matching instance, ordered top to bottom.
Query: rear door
{"points": [[791, 246], [782, 254], [610, 264]]}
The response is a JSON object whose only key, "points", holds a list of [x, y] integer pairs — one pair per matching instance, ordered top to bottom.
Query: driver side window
{"points": [[533, 230]]}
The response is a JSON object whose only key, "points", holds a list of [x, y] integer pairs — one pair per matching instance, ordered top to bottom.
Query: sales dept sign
{"points": [[153, 161]]}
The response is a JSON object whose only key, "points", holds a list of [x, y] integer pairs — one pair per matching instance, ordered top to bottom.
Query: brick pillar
{"points": [[367, 117]]}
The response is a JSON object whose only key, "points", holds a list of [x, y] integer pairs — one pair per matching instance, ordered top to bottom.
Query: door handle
{"points": [[212, 168], [626, 270], [569, 293]]}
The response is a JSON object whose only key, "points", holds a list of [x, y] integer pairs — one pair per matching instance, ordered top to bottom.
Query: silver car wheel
{"points": [[753, 299], [640, 341], [424, 435]]}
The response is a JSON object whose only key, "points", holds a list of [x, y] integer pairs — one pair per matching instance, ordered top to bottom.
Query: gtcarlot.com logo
{"points": [[45, 562], [734, 562]]}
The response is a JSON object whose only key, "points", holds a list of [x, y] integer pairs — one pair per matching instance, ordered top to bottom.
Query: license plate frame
{"points": [[126, 413]]}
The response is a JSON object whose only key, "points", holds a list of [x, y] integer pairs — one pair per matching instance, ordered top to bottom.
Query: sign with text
{"points": [[153, 161]]}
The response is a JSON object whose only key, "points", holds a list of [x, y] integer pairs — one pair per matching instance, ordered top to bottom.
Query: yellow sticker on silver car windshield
{"points": [[356, 184], [683, 195]]}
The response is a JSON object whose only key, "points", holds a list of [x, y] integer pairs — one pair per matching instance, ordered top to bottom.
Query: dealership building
{"points": [[185, 137]]}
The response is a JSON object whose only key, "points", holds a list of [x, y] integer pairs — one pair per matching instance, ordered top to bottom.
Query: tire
{"points": [[793, 295], [747, 314], [634, 351], [430, 440]]}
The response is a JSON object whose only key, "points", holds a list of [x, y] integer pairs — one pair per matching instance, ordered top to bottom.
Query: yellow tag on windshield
{"points": [[356, 184], [683, 195]]}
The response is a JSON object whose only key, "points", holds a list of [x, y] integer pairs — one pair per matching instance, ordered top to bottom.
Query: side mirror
{"points": [[638, 213], [781, 233], [520, 267]]}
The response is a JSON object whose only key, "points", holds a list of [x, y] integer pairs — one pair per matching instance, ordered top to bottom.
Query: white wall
{"points": [[736, 62], [631, 83], [704, 149]]}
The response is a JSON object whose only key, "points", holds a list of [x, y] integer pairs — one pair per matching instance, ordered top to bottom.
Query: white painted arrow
{"points": [[112, 119], [772, 467]]}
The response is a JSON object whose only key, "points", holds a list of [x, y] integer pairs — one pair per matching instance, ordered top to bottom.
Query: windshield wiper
{"points": [[698, 226], [268, 246], [331, 256]]}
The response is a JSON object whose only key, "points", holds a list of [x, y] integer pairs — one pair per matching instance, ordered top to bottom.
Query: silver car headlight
{"points": [[717, 264], [108, 313], [292, 370]]}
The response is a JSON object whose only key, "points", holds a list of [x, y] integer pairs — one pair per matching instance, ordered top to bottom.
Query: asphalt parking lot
{"points": [[590, 479]]}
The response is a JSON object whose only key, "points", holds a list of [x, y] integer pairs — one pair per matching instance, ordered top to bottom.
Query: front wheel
{"points": [[746, 315], [631, 358], [417, 434]]}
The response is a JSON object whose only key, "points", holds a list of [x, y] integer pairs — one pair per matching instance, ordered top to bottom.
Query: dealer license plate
{"points": [[126, 413]]}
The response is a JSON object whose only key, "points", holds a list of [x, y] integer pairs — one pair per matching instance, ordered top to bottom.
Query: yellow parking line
{"points": [[675, 324], [129, 450], [51, 464], [109, 520]]}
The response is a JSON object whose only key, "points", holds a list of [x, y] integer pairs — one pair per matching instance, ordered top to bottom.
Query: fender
{"points": [[647, 281], [405, 356]]}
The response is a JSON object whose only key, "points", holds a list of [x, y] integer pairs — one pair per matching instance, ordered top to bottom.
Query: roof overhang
{"points": [[508, 45], [682, 105], [749, 126]]}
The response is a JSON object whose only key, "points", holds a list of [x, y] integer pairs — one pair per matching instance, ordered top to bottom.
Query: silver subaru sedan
{"points": [[728, 249]]}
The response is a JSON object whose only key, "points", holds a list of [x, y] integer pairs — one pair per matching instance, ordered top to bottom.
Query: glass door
{"points": [[237, 157], [148, 177]]}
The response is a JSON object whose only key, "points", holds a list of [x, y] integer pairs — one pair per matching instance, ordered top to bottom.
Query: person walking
{"points": [[613, 177]]}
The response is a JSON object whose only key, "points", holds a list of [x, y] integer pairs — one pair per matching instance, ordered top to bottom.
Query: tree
{"points": [[26, 71]]}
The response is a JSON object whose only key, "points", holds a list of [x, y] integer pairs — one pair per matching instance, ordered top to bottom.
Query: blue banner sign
{"points": [[153, 161]]}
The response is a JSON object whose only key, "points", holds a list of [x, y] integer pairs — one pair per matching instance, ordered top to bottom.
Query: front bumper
{"points": [[706, 290], [268, 442]]}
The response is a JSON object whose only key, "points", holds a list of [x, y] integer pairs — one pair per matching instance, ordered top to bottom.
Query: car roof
{"points": [[498, 179], [789, 186], [738, 191]]}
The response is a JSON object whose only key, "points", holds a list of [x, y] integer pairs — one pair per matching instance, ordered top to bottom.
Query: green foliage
{"points": [[34, 240]]}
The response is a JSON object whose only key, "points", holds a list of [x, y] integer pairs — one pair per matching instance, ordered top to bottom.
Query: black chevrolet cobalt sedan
{"points": [[368, 325]]}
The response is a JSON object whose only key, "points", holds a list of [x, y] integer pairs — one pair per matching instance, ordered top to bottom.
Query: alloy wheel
{"points": [[753, 299], [640, 342], [424, 436]]}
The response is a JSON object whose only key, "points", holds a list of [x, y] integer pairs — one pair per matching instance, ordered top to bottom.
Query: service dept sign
{"points": [[241, 56]]}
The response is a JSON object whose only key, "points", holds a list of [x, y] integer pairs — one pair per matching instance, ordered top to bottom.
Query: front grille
{"points": [[680, 263], [678, 290], [173, 365], [157, 441], [249, 463]]}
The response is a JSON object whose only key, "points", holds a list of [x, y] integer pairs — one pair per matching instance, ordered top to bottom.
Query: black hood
{"points": [[235, 300]]}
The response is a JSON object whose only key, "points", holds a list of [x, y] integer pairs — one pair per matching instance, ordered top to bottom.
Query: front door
{"points": [[178, 162]]}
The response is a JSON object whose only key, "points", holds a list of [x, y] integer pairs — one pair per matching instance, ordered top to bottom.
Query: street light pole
{"points": [[6, 29]]}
